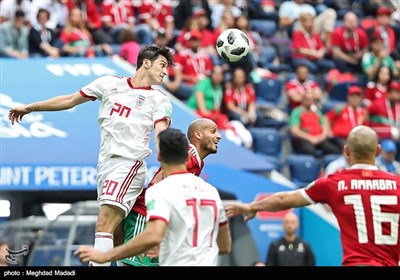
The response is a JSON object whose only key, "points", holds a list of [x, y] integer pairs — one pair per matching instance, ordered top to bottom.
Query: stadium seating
{"points": [[266, 28], [269, 90], [338, 93], [268, 143], [326, 159], [303, 169]]}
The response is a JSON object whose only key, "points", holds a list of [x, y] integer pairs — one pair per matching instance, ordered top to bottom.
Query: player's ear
{"points": [[146, 63], [198, 134], [378, 150], [346, 152]]}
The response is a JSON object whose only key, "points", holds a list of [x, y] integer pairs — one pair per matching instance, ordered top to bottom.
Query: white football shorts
{"points": [[120, 181]]}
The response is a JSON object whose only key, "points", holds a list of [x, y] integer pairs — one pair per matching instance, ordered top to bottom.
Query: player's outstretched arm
{"points": [[57, 103], [275, 202], [233, 209], [150, 237]]}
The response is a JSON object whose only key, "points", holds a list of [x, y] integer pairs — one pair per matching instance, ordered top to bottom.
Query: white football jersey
{"points": [[127, 116], [194, 212]]}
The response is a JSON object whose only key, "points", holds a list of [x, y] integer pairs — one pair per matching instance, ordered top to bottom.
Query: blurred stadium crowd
{"points": [[316, 68]]}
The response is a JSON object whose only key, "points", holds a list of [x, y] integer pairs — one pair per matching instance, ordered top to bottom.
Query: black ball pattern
{"points": [[231, 37], [245, 38], [238, 51], [224, 56]]}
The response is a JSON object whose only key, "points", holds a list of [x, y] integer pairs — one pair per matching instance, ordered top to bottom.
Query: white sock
{"points": [[103, 241], [119, 263]]}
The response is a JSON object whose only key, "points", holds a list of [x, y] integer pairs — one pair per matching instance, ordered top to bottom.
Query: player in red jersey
{"points": [[203, 136], [365, 201]]}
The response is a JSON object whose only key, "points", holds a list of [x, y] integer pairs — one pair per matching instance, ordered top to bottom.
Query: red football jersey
{"points": [[194, 165], [366, 203]]}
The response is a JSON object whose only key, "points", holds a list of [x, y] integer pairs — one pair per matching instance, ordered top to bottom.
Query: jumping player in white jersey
{"points": [[129, 111], [185, 215]]}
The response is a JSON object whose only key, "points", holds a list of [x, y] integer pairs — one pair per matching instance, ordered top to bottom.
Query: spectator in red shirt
{"points": [[117, 14], [157, 14], [92, 19], [383, 20], [199, 21], [77, 40], [349, 43], [308, 48], [191, 65], [298, 86], [378, 87], [240, 99], [385, 114], [344, 118]]}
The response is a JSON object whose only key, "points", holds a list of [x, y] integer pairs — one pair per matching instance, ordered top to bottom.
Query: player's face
{"points": [[158, 70], [210, 139]]}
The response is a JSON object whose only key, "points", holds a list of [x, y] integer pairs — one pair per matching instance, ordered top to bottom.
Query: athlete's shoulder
{"points": [[112, 77], [115, 77], [109, 79], [159, 91], [341, 174], [387, 175], [322, 181], [158, 188], [211, 188]]}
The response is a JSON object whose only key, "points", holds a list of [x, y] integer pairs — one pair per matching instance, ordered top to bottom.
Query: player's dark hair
{"points": [[152, 52], [173, 146]]}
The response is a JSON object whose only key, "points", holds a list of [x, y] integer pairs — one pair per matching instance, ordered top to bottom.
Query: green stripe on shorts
{"points": [[134, 224]]}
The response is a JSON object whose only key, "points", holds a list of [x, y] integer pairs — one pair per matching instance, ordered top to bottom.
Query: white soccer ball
{"points": [[232, 45]]}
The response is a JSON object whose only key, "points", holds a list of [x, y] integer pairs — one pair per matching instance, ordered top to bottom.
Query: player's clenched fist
{"points": [[238, 208]]}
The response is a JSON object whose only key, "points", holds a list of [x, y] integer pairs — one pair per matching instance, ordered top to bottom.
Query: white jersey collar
{"points": [[364, 166]]}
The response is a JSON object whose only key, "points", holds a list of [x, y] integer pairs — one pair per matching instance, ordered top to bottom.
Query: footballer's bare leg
{"points": [[110, 217]]}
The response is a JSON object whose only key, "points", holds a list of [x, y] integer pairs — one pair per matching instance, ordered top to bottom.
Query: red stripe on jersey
{"points": [[87, 96], [168, 119], [192, 151], [128, 180], [158, 218], [223, 223]]}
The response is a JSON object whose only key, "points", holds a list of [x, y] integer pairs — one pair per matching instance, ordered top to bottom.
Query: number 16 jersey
{"points": [[366, 203]]}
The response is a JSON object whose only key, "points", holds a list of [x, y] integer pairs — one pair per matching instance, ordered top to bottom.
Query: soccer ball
{"points": [[232, 45]]}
